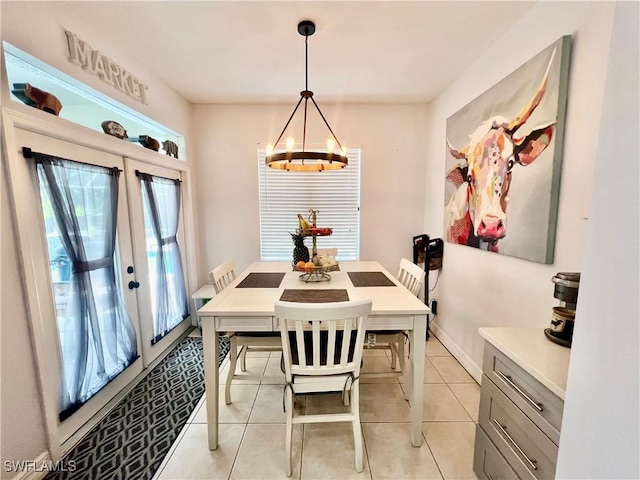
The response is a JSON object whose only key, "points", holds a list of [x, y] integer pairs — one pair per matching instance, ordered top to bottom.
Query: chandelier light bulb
{"points": [[290, 143], [331, 144], [269, 149], [344, 150]]}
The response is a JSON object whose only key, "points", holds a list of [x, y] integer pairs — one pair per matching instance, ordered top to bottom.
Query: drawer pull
{"points": [[507, 379], [503, 430]]}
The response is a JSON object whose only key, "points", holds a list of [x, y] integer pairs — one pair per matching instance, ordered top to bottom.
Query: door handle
{"points": [[133, 285]]}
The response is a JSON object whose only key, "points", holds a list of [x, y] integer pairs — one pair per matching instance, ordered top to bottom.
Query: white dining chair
{"points": [[223, 275], [412, 277], [239, 343], [322, 350]]}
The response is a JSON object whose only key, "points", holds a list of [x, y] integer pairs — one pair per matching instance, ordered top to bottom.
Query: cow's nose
{"points": [[491, 228]]}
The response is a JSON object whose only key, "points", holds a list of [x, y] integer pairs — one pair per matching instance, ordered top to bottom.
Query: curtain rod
{"points": [[28, 153], [138, 173]]}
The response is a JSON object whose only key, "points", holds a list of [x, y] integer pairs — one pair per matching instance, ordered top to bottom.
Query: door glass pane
{"points": [[161, 200], [97, 339]]}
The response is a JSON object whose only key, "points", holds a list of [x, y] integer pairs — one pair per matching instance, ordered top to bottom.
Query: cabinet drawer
{"points": [[244, 324], [533, 398], [525, 447], [488, 463]]}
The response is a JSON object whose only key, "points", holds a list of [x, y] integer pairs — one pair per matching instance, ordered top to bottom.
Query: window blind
{"points": [[335, 194]]}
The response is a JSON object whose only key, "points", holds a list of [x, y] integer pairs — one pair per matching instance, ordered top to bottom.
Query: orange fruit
{"points": [[300, 265], [309, 266]]}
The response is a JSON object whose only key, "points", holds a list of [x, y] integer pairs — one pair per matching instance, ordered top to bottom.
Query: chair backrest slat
{"points": [[222, 275], [411, 276], [316, 327], [346, 341], [316, 343], [331, 344], [302, 353]]}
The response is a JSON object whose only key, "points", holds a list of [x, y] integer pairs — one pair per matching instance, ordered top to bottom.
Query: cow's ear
{"points": [[527, 149], [455, 153], [457, 175]]}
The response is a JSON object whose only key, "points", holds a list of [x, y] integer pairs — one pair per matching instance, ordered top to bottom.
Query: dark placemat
{"points": [[370, 279], [262, 280], [314, 296]]}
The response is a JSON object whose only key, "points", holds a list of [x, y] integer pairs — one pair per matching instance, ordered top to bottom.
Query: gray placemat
{"points": [[370, 279], [262, 280], [315, 295]]}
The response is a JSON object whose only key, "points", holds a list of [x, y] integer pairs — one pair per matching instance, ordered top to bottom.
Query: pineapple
{"points": [[300, 252]]}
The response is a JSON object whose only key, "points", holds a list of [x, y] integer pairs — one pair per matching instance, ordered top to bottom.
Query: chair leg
{"points": [[394, 355], [243, 358], [233, 361], [403, 368], [346, 394], [357, 429], [289, 430]]}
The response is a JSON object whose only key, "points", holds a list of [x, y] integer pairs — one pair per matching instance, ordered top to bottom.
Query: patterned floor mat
{"points": [[132, 440]]}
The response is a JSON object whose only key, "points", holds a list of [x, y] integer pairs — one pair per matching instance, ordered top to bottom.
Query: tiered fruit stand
{"points": [[319, 273]]}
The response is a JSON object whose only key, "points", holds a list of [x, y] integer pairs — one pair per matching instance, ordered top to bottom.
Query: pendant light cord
{"points": [[306, 63], [306, 87]]}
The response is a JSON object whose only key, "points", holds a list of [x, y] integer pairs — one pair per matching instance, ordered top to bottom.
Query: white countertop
{"points": [[546, 361]]}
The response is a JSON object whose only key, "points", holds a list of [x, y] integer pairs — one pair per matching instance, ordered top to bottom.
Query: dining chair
{"points": [[412, 277], [239, 343], [322, 350]]}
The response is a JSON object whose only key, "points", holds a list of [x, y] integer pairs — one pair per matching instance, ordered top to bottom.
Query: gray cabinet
{"points": [[518, 429]]}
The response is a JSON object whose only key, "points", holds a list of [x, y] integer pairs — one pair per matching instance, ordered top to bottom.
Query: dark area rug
{"points": [[132, 440]]}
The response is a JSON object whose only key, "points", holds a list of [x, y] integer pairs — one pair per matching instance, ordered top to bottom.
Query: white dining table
{"points": [[252, 310]]}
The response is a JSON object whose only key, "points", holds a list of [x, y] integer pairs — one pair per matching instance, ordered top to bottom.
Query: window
{"points": [[81, 104], [336, 195]]}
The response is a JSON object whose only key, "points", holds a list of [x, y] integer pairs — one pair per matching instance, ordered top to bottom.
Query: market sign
{"points": [[94, 62]]}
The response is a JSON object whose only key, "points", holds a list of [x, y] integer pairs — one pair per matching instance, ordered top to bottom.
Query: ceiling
{"points": [[251, 52]]}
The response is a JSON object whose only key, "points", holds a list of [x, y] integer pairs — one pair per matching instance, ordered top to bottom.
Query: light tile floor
{"points": [[252, 428]]}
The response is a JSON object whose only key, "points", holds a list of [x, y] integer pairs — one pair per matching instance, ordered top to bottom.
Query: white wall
{"points": [[392, 138], [482, 289], [601, 421], [23, 435]]}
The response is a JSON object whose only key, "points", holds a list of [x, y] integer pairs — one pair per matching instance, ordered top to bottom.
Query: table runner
{"points": [[370, 279], [262, 280], [314, 296]]}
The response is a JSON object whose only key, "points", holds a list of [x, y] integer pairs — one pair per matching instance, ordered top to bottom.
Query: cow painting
{"points": [[488, 165]]}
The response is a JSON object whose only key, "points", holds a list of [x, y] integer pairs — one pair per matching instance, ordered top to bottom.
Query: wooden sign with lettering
{"points": [[94, 62]]}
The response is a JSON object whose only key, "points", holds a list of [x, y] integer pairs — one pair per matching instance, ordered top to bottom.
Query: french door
{"points": [[156, 204], [120, 273], [75, 393]]}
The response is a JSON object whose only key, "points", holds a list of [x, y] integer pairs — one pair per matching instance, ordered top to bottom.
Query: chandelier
{"points": [[302, 160]]}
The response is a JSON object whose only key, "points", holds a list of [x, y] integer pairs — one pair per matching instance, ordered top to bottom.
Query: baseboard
{"points": [[469, 365], [36, 469]]}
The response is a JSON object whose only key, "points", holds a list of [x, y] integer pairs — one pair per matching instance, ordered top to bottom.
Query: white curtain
{"points": [[162, 216], [97, 338]]}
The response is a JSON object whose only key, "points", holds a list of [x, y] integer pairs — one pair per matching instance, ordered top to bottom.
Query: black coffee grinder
{"points": [[563, 317]]}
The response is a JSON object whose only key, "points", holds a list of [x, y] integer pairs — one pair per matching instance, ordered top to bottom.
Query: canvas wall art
{"points": [[504, 154]]}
